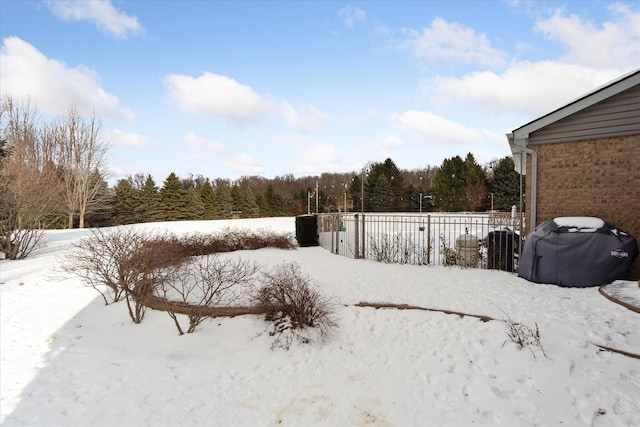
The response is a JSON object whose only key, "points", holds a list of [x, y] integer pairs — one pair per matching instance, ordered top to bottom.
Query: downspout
{"points": [[519, 146], [534, 184]]}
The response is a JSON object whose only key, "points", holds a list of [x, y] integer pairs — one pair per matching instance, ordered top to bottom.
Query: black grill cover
{"points": [[569, 256]]}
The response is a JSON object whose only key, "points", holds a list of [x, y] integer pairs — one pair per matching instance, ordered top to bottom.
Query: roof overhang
{"points": [[621, 84], [519, 138]]}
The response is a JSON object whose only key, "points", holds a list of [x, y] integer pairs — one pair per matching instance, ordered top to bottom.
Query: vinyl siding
{"points": [[616, 116]]}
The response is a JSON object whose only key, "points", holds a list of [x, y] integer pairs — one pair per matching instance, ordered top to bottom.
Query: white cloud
{"points": [[99, 12], [351, 14], [450, 41], [616, 44], [596, 54], [52, 86], [532, 88], [215, 96], [220, 97], [305, 118], [435, 129], [128, 139], [292, 140], [393, 141], [199, 144], [204, 150], [318, 158], [245, 164]]}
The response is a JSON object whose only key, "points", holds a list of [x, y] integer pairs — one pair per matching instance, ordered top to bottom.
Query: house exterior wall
{"points": [[615, 116], [593, 177]]}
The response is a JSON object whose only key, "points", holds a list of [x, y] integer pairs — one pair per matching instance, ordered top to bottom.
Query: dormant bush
{"points": [[124, 263], [134, 265], [203, 283], [296, 308], [524, 336]]}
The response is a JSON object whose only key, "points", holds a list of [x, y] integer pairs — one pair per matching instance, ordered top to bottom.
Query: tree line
{"points": [[53, 174], [457, 185]]}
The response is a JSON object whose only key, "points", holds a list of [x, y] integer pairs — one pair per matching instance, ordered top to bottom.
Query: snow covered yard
{"points": [[67, 359]]}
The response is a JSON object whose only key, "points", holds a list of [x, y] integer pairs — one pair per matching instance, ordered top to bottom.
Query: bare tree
{"points": [[81, 159], [28, 181], [137, 181], [475, 195]]}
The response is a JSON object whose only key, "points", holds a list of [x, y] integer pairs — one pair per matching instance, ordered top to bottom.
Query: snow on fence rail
{"points": [[479, 240]]}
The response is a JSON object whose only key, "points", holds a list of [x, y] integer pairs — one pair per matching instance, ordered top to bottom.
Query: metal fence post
{"points": [[336, 225], [356, 236], [428, 239], [364, 240]]}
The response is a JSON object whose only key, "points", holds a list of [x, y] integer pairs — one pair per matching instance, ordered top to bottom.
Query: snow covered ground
{"points": [[69, 360]]}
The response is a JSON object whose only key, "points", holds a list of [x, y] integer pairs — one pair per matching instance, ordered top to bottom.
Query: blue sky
{"points": [[226, 89]]}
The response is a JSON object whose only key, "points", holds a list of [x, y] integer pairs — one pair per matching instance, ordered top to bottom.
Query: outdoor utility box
{"points": [[307, 230], [467, 247], [503, 247]]}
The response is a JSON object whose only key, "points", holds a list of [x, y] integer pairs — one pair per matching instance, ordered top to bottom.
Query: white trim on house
{"points": [[606, 91], [519, 138]]}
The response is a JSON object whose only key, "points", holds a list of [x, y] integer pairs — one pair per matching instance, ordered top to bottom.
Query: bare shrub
{"points": [[229, 240], [250, 240], [19, 243], [402, 248], [407, 248], [383, 249], [424, 252], [449, 255], [99, 261], [125, 261], [156, 262], [134, 265], [202, 283], [296, 308], [524, 336]]}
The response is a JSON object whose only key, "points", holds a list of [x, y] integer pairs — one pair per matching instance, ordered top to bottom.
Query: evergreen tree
{"points": [[394, 179], [449, 185], [475, 185], [505, 185], [356, 190], [223, 192], [413, 194], [382, 197], [175, 199], [237, 200], [209, 201], [326, 202], [126, 203], [274, 203], [150, 205], [249, 205], [195, 208], [263, 209], [101, 215]]}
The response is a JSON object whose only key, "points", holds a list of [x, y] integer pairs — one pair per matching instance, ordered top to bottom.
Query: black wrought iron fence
{"points": [[492, 240]]}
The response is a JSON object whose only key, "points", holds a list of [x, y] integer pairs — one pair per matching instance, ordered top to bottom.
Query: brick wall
{"points": [[598, 177]]}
